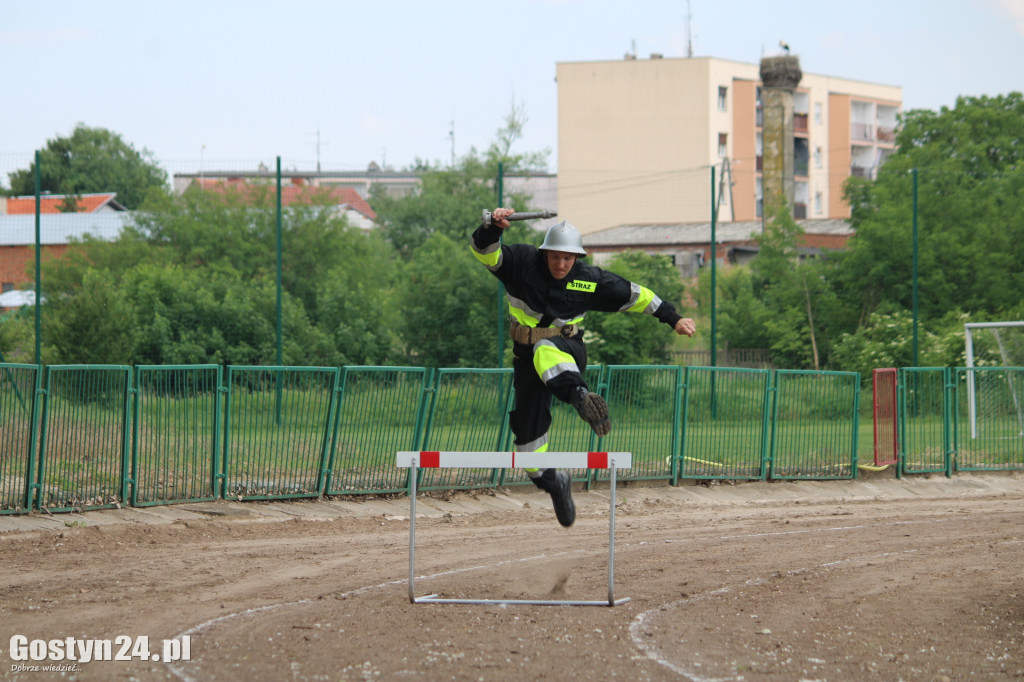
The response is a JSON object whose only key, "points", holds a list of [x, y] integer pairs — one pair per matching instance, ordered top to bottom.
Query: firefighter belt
{"points": [[520, 333]]}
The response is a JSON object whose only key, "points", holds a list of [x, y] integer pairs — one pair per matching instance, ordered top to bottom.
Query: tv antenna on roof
{"points": [[318, 144]]}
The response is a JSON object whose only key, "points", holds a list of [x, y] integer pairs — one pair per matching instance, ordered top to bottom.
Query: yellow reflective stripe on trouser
{"points": [[490, 256], [641, 300], [549, 361], [535, 445]]}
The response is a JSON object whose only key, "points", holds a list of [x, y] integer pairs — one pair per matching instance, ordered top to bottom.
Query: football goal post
{"points": [[993, 345]]}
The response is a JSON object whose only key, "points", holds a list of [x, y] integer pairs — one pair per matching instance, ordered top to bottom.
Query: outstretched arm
{"points": [[685, 326]]}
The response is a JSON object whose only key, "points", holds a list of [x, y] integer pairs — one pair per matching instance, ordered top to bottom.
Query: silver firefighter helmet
{"points": [[563, 237]]}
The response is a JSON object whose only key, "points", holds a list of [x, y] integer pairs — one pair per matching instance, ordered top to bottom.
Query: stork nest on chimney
{"points": [[781, 72]]}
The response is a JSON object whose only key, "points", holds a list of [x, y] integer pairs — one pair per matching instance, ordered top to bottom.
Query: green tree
{"points": [[511, 132], [92, 160], [969, 162], [450, 201], [199, 273], [784, 284], [783, 300], [448, 301], [357, 303], [189, 316], [743, 317], [96, 325], [631, 338], [887, 341]]}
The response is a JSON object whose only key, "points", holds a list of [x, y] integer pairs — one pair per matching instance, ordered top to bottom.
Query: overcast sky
{"points": [[238, 83]]}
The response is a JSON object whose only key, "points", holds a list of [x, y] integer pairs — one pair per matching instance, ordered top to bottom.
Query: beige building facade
{"points": [[637, 139]]}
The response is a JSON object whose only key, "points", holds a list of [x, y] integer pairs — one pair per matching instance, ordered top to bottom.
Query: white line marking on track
{"points": [[634, 629], [181, 674]]}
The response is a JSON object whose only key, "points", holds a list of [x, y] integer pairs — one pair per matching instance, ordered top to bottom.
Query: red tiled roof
{"points": [[302, 194], [50, 203]]}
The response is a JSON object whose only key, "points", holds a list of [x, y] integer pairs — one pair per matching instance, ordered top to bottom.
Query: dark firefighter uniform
{"points": [[554, 365]]}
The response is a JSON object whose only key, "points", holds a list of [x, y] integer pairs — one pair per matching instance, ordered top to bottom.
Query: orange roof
{"points": [[302, 194], [50, 203]]}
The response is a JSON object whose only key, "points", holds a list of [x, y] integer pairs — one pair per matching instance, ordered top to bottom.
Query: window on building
{"points": [[722, 95], [817, 113], [723, 144], [817, 157], [817, 203]]}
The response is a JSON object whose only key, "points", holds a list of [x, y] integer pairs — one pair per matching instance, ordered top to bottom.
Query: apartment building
{"points": [[637, 139]]}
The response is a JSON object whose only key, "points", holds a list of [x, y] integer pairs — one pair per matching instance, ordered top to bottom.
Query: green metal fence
{"points": [[19, 393], [646, 405], [468, 410], [380, 411], [925, 418], [725, 423], [989, 424], [815, 425], [176, 430], [277, 431], [568, 433], [91, 436], [84, 437]]}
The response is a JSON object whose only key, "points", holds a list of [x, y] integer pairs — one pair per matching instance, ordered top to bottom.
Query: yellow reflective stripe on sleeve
{"points": [[491, 258], [643, 300]]}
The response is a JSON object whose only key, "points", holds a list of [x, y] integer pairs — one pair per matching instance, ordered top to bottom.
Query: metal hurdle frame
{"points": [[415, 460]]}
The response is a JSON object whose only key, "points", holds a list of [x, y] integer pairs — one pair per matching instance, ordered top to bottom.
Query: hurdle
{"points": [[416, 460]]}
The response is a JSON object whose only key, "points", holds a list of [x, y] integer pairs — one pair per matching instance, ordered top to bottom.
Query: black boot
{"points": [[593, 409], [558, 484]]}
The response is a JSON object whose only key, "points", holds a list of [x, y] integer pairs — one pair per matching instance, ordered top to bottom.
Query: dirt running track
{"points": [[919, 579]]}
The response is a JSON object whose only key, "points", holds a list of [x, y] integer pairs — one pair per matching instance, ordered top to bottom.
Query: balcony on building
{"points": [[862, 121], [887, 121], [801, 156]]}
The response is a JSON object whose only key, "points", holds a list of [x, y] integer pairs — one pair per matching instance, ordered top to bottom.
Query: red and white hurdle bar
{"points": [[428, 459]]}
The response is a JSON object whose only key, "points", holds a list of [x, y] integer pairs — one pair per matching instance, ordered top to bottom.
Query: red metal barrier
{"points": [[884, 411]]}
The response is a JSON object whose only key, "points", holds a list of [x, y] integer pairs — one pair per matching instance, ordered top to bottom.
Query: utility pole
{"points": [[689, 30]]}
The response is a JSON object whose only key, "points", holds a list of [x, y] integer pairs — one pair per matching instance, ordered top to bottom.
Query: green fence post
{"points": [[915, 259], [39, 266], [501, 287], [948, 422], [677, 426], [220, 435]]}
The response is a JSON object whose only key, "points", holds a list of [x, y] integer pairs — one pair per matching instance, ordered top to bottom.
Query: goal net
{"points": [[995, 375]]}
